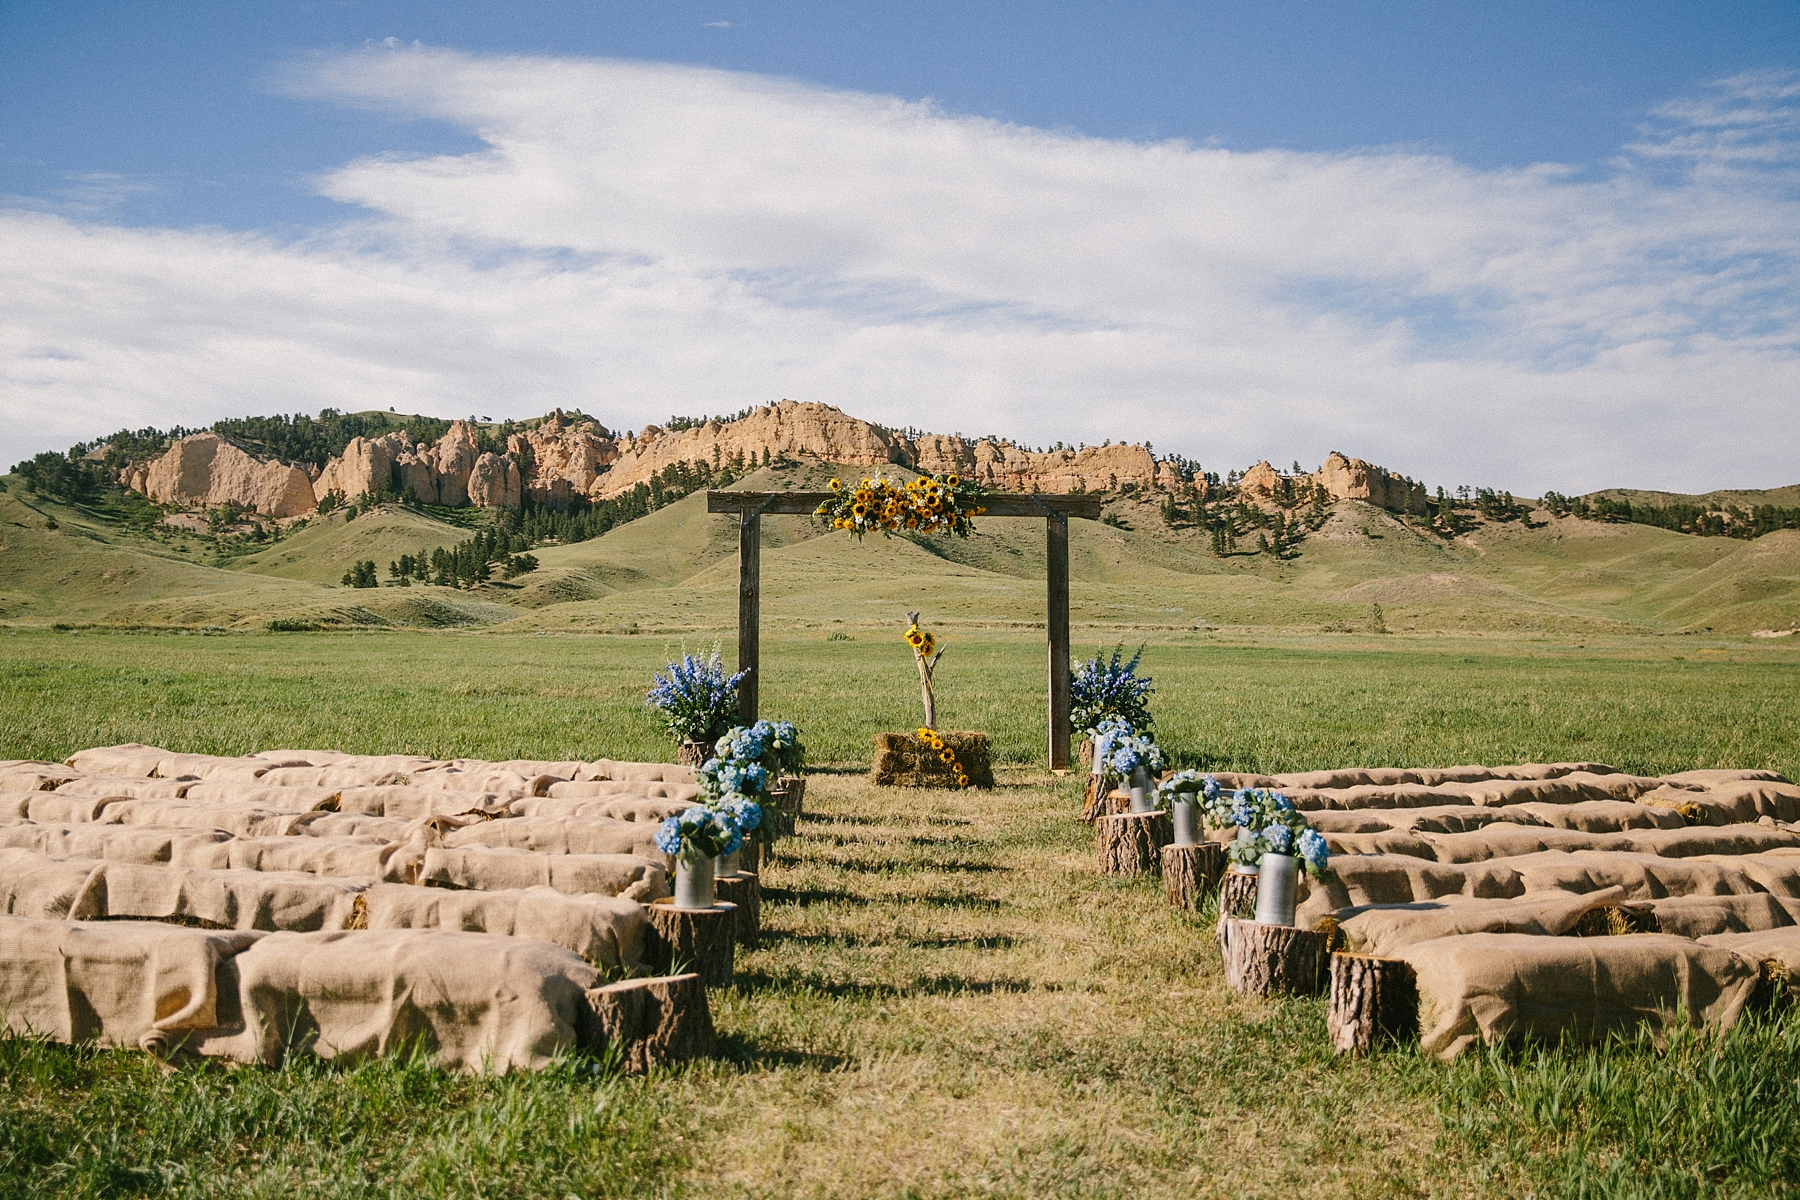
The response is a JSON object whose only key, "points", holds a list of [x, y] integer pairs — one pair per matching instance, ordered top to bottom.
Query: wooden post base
{"points": [[1131, 843], [750, 856], [1190, 873], [745, 891], [1237, 895], [703, 940], [1272, 960], [1372, 999], [654, 1022]]}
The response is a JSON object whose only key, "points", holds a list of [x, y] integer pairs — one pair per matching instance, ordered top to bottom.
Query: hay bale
{"points": [[902, 760]]}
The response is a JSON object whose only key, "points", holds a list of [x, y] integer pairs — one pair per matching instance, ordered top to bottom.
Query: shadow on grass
{"points": [[810, 896], [997, 941], [924, 985], [745, 1052]]}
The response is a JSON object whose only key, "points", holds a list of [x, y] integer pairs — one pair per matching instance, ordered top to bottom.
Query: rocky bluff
{"points": [[565, 456]]}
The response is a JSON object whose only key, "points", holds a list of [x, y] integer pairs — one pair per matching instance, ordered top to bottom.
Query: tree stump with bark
{"points": [[694, 754], [1131, 843], [750, 856], [1190, 873], [745, 891], [1237, 895], [703, 940], [1272, 960], [1372, 999], [654, 1022]]}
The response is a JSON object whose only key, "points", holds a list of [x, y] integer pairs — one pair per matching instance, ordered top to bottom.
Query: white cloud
{"points": [[641, 239]]}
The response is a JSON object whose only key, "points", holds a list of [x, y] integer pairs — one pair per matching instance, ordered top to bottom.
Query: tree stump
{"points": [[694, 754], [790, 794], [1131, 843], [750, 856], [1190, 873], [745, 891], [1237, 895], [692, 939], [1272, 960], [1371, 999], [654, 1022]]}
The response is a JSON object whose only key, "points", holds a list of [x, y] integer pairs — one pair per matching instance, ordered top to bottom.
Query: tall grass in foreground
{"points": [[1703, 1115]]}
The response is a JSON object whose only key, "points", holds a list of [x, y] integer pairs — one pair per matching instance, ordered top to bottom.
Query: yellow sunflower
{"points": [[952, 480], [836, 485], [914, 638], [947, 755], [962, 781]]}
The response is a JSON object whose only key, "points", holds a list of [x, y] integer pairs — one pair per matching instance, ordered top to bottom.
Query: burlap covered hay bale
{"points": [[129, 758], [902, 760], [220, 770], [635, 772], [21, 776], [339, 776], [1712, 776], [1348, 777], [501, 783], [143, 789], [594, 789], [259, 795], [410, 803], [16, 805], [56, 808], [616, 808], [1601, 816], [237, 820], [562, 835], [1387, 841], [1506, 841], [121, 843], [1687, 843], [345, 858], [488, 869], [1777, 874], [1643, 876], [1358, 880], [55, 889], [267, 900], [1702, 916], [1386, 929], [607, 931], [1777, 948], [117, 983], [1494, 987], [472, 1001]]}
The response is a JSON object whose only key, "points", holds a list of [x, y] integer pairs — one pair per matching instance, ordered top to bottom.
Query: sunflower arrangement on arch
{"points": [[928, 504]]}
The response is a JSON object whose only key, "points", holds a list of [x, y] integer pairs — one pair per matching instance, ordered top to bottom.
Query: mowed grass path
{"points": [[949, 1000]]}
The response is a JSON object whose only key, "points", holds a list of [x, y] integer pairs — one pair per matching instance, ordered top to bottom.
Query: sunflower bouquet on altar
{"points": [[928, 504]]}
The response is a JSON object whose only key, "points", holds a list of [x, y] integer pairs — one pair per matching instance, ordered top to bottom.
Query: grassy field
{"points": [[949, 1000]]}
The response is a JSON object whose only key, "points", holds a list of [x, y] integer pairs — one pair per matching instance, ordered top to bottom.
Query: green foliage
{"points": [[362, 575], [1701, 1115]]}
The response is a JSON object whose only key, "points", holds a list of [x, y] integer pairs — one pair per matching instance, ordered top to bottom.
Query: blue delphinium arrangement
{"points": [[1102, 688], [697, 698], [1268, 823], [700, 833]]}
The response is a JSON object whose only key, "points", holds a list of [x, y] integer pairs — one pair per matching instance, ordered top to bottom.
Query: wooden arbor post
{"points": [[1056, 511]]}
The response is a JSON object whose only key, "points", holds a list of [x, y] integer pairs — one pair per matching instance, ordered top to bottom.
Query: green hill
{"points": [[674, 571]]}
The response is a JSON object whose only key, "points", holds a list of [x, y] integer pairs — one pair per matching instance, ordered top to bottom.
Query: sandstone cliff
{"points": [[205, 469], [437, 473], [1346, 479]]}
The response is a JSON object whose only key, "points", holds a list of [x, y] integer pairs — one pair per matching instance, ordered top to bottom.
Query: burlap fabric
{"points": [[130, 758], [636, 772], [27, 775], [342, 775], [1712, 776], [502, 783], [110, 785], [595, 789], [260, 795], [411, 803], [16, 805], [58, 808], [614, 808], [1596, 816], [237, 820], [562, 835], [121, 843], [346, 858], [488, 869], [1643, 876], [1353, 882], [56, 889], [268, 900], [1701, 916], [1385, 930], [607, 931], [1780, 946], [115, 983], [1492, 987], [473, 1002]]}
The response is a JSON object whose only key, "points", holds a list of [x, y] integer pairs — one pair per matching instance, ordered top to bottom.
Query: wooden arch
{"points": [[1056, 511]]}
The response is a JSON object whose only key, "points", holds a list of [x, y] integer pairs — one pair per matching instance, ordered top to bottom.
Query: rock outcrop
{"points": [[822, 433], [567, 457], [366, 465], [207, 470], [1346, 479], [494, 482]]}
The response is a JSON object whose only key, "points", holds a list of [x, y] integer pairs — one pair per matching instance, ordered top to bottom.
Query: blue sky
{"points": [[1237, 230]]}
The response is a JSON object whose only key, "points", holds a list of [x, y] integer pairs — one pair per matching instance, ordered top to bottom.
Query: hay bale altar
{"points": [[903, 760]]}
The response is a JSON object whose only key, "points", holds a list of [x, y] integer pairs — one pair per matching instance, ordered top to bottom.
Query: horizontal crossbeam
{"points": [[998, 504]]}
